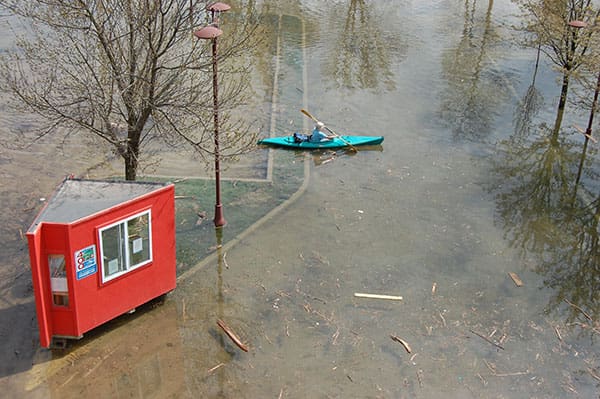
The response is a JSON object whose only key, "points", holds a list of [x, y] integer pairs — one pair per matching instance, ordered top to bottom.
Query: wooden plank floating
{"points": [[518, 282], [377, 296], [232, 335]]}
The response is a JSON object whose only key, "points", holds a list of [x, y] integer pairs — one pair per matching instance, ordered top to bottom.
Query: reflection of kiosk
{"points": [[100, 249]]}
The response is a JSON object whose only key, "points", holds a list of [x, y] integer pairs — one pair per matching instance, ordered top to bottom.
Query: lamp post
{"points": [[211, 32]]}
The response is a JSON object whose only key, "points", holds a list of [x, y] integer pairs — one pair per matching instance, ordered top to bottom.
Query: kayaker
{"points": [[318, 135]]}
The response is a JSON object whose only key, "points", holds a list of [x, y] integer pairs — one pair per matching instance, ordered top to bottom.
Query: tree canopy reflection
{"points": [[361, 55], [475, 90], [535, 185]]}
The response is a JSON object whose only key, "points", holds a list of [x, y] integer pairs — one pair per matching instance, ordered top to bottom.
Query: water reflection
{"points": [[361, 56], [474, 88], [529, 105], [325, 157], [534, 176], [554, 229], [573, 267], [135, 356], [213, 356]]}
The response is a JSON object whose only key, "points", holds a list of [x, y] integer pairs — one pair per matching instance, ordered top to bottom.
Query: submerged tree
{"points": [[549, 25], [127, 71]]}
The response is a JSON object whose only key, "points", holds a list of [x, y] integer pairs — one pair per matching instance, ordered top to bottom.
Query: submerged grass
{"points": [[244, 203]]}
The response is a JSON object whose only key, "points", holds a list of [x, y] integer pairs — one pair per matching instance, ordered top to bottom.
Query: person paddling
{"points": [[318, 135]]}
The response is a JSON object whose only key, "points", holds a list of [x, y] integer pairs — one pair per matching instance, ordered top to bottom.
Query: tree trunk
{"points": [[561, 106], [131, 156], [131, 165]]}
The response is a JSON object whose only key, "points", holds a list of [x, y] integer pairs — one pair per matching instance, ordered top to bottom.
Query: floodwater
{"points": [[468, 188]]}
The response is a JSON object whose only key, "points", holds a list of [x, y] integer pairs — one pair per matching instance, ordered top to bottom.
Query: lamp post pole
{"points": [[211, 32]]}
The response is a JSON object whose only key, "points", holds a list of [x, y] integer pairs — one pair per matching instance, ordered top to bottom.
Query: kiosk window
{"points": [[125, 246], [58, 280]]}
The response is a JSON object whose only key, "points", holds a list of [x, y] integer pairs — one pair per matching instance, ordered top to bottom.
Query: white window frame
{"points": [[127, 250]]}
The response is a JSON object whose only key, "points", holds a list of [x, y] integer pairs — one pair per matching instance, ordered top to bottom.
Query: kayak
{"points": [[336, 142]]}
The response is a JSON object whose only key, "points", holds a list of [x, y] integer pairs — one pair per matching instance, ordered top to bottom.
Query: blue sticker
{"points": [[85, 262]]}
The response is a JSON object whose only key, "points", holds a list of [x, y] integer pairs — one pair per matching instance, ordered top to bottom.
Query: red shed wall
{"points": [[50, 239], [40, 289], [96, 302]]}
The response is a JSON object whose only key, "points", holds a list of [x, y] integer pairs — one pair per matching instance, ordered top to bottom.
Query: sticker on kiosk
{"points": [[85, 262]]}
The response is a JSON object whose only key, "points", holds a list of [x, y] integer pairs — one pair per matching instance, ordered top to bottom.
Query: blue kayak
{"points": [[337, 142]]}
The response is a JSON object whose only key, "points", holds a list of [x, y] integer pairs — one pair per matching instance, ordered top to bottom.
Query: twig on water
{"points": [[587, 316], [443, 319], [585, 326], [558, 333], [232, 335], [335, 336], [487, 340], [402, 342], [216, 367], [496, 374], [512, 374], [596, 376], [483, 381]]}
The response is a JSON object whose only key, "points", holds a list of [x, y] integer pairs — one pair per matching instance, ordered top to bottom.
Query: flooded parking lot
{"points": [[457, 198]]}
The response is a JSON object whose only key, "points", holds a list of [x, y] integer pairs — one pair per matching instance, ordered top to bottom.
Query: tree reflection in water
{"points": [[361, 58], [476, 89], [529, 105], [535, 179]]}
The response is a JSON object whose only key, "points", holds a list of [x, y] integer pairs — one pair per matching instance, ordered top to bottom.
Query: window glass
{"points": [[139, 239], [125, 245], [112, 250], [57, 266], [58, 280]]}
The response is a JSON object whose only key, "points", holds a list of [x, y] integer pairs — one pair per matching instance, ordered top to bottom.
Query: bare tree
{"points": [[548, 25], [128, 71]]}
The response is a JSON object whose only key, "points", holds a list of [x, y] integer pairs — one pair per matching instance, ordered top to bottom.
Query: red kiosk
{"points": [[98, 250]]}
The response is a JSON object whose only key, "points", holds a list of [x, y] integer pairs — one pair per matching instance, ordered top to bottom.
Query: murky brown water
{"points": [[457, 199]]}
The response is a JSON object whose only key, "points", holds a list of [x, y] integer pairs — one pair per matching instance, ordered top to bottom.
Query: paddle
{"points": [[305, 112]]}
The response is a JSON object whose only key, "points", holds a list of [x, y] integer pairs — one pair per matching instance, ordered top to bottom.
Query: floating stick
{"points": [[518, 282], [377, 296], [232, 335], [487, 340], [402, 342]]}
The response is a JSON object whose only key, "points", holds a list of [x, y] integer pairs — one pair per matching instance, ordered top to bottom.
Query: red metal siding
{"points": [[92, 302], [99, 302]]}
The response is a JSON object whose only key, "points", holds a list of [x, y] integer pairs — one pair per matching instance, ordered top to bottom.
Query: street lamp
{"points": [[211, 32]]}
